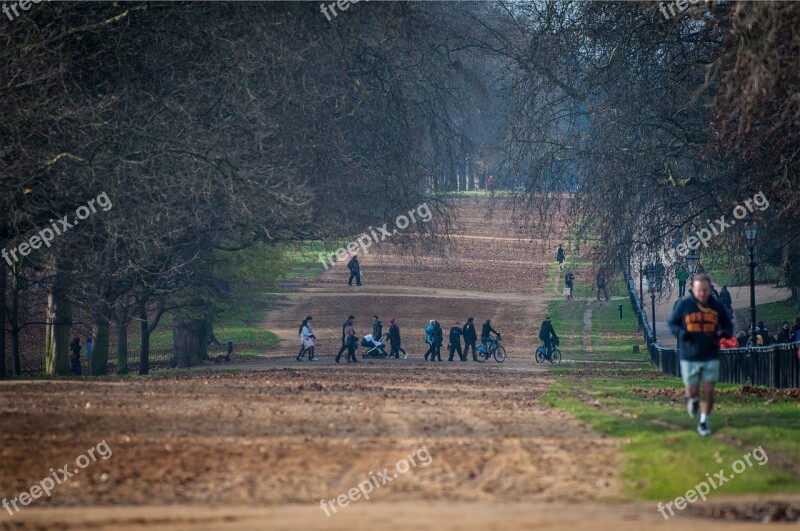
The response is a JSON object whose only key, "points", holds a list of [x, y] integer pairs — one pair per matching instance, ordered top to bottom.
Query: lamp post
{"points": [[750, 233], [641, 277], [651, 287]]}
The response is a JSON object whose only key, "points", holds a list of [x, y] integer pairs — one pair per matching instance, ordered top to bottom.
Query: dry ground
{"points": [[259, 449]]}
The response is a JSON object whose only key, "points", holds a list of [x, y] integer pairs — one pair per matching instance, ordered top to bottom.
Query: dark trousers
{"points": [[355, 274], [681, 288], [604, 290], [467, 345], [344, 347], [456, 348], [548, 348], [395, 351], [436, 351], [351, 352], [75, 366]]}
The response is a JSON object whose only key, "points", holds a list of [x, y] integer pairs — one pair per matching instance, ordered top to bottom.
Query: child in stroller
{"points": [[375, 347]]}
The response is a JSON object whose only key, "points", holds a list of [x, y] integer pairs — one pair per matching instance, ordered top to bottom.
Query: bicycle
{"points": [[495, 349], [556, 355]]}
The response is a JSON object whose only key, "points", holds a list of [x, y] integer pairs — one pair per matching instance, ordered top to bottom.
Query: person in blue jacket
{"points": [[699, 321]]}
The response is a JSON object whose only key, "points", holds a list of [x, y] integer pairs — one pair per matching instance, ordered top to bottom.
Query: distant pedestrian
{"points": [[491, 184], [560, 258], [355, 271], [682, 275], [569, 279], [601, 284], [726, 300], [347, 322], [377, 328], [786, 335], [429, 338], [470, 338], [307, 340], [438, 340], [351, 341], [395, 341], [455, 342], [89, 345], [75, 356]]}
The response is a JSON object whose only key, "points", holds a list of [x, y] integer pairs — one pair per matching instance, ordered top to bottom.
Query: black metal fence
{"points": [[773, 366]]}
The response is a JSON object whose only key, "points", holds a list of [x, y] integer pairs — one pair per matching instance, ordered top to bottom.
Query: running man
{"points": [[560, 258], [699, 321]]}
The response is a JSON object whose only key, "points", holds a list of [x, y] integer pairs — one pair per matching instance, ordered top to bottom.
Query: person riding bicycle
{"points": [[486, 335], [548, 335]]}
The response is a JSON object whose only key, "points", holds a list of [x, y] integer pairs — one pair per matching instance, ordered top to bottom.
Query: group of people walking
{"points": [[434, 338]]}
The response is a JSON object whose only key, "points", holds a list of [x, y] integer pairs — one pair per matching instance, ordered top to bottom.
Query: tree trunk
{"points": [[15, 289], [3, 318], [59, 322], [100, 332], [189, 341], [122, 345], [144, 348]]}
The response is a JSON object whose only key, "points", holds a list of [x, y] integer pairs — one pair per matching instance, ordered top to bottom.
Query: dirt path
{"points": [[259, 449]]}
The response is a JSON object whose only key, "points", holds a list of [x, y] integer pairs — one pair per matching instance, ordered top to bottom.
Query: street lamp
{"points": [[750, 234], [692, 259], [641, 276]]}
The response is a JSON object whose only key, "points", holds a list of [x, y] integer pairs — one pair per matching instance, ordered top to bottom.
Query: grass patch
{"points": [[613, 338], [627, 402]]}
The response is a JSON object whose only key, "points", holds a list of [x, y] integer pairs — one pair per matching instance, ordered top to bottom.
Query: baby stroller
{"points": [[374, 347]]}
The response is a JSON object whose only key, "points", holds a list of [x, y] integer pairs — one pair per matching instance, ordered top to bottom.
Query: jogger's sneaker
{"points": [[405, 356], [693, 407], [702, 429]]}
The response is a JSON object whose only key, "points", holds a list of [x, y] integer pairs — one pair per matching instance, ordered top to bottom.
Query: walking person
{"points": [[560, 258], [355, 271], [682, 275], [569, 278], [601, 284], [726, 300], [347, 322], [699, 322], [377, 328], [786, 335], [429, 338], [470, 338], [307, 339], [438, 340], [351, 341], [395, 341], [455, 342], [89, 345], [75, 356]]}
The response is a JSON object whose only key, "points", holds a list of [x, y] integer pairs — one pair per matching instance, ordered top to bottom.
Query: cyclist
{"points": [[486, 335], [548, 335]]}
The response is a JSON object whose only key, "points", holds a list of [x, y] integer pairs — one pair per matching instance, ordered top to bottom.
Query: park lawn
{"points": [[773, 314], [567, 317], [613, 338], [627, 402]]}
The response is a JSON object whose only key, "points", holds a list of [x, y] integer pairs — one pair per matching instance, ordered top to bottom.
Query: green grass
{"points": [[773, 314], [613, 338], [661, 462]]}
